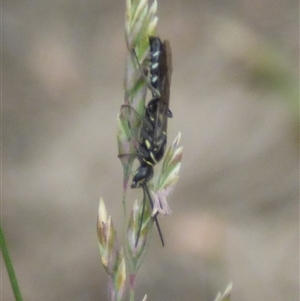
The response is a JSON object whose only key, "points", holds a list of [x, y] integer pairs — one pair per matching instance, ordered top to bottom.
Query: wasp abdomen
{"points": [[155, 55]]}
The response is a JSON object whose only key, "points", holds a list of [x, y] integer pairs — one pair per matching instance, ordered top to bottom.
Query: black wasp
{"points": [[153, 133]]}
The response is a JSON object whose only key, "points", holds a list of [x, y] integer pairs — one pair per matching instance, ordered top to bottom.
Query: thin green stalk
{"points": [[124, 213], [9, 267], [131, 293]]}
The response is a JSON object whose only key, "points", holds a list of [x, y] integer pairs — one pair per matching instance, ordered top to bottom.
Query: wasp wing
{"points": [[165, 73]]}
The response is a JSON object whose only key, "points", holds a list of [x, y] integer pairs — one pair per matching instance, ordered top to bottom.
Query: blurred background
{"points": [[234, 97]]}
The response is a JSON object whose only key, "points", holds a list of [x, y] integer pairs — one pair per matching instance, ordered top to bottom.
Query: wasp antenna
{"points": [[145, 188]]}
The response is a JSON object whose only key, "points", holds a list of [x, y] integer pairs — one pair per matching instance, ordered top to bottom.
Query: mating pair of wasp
{"points": [[153, 132]]}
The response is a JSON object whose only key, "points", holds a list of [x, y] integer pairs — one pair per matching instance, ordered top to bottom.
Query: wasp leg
{"points": [[147, 123], [145, 188]]}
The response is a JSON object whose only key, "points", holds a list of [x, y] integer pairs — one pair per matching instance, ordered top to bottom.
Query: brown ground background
{"points": [[234, 99]]}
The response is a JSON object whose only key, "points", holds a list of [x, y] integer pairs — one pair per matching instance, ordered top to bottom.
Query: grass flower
{"points": [[140, 23], [167, 178], [111, 255], [226, 295]]}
